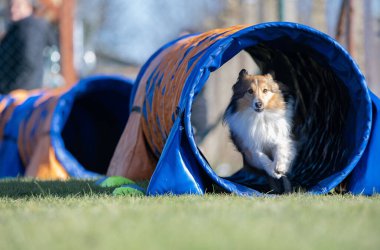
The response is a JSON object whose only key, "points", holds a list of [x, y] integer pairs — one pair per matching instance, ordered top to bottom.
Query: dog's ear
{"points": [[243, 73], [271, 75], [242, 76], [235, 87], [274, 87], [277, 87]]}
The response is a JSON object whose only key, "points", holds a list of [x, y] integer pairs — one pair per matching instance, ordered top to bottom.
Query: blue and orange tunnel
{"points": [[336, 112], [62, 133]]}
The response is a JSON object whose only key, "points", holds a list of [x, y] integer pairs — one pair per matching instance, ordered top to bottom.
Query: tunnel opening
{"points": [[322, 122], [95, 123]]}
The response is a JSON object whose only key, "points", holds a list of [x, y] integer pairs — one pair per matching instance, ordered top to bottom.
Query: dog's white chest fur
{"points": [[260, 131], [264, 139]]}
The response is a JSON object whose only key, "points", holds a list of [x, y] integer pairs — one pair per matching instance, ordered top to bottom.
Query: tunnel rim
{"points": [[63, 110]]}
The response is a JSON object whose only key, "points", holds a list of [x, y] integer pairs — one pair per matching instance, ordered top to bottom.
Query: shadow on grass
{"points": [[21, 188]]}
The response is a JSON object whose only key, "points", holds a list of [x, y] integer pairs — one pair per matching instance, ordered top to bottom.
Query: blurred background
{"points": [[118, 36]]}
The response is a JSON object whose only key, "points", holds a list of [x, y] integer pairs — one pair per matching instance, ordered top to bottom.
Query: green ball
{"points": [[116, 181]]}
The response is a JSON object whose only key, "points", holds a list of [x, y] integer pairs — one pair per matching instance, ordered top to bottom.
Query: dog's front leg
{"points": [[283, 157], [260, 160]]}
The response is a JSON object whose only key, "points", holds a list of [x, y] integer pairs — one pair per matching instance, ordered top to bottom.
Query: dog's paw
{"points": [[281, 169], [272, 172], [275, 174]]}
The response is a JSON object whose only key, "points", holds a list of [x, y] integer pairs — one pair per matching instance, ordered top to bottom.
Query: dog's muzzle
{"points": [[258, 107]]}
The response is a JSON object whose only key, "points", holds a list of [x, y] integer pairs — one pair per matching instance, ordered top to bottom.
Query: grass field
{"points": [[79, 215]]}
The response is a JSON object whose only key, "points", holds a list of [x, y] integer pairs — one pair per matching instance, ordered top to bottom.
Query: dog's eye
{"points": [[250, 91], [265, 91]]}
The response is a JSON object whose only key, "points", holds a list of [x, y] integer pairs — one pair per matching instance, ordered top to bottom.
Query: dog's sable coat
{"points": [[260, 122]]}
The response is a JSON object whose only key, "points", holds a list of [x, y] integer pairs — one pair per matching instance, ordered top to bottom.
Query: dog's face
{"points": [[258, 92]]}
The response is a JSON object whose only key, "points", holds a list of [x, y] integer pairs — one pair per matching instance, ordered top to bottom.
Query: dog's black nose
{"points": [[259, 105]]}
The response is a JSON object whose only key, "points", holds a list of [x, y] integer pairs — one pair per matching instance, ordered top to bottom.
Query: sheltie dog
{"points": [[260, 120]]}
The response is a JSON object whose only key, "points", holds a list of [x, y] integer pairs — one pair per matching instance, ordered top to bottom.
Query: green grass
{"points": [[79, 215]]}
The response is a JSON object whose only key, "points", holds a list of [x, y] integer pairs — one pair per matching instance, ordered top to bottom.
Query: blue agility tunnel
{"points": [[14, 108], [337, 114], [67, 132]]}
